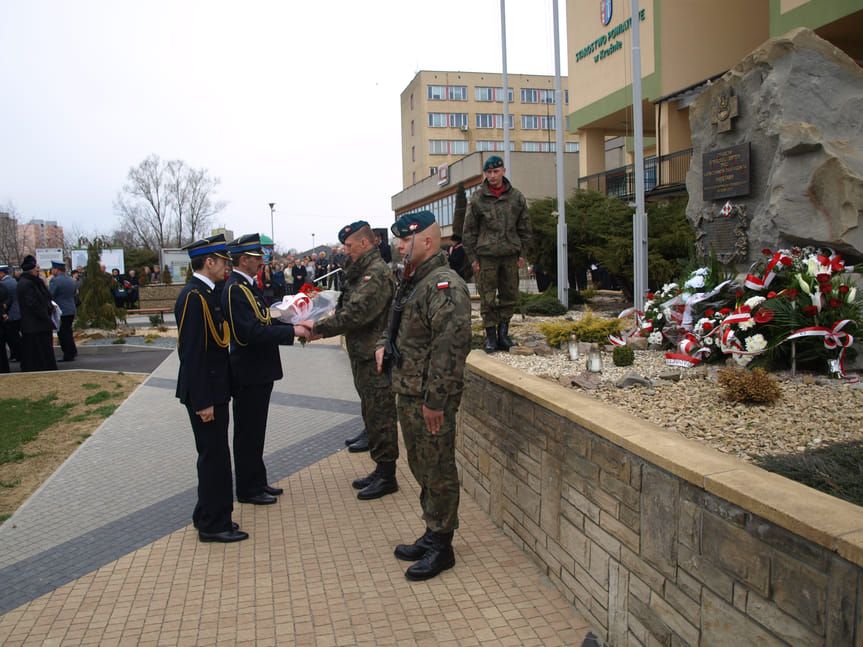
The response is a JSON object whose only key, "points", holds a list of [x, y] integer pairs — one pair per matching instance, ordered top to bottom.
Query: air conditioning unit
{"points": [[464, 129]]}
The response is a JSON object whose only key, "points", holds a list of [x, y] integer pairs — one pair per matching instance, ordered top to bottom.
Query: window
{"points": [[444, 92], [490, 94], [531, 95], [566, 96], [412, 102], [437, 120], [458, 120], [492, 121], [537, 122], [412, 127], [488, 145], [448, 147], [539, 147], [570, 147], [413, 153], [432, 170]]}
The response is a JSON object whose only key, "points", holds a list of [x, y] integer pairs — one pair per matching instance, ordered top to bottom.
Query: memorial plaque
{"points": [[725, 172], [724, 236]]}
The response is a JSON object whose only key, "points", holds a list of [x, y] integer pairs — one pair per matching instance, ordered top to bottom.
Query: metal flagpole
{"points": [[505, 90], [639, 219], [562, 260]]}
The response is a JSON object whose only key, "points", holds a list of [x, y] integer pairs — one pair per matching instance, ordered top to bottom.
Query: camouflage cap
{"points": [[412, 223]]}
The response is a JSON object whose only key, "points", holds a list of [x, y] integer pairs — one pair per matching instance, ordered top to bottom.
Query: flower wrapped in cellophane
{"points": [[310, 304]]}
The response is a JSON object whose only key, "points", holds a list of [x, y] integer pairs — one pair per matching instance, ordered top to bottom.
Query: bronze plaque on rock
{"points": [[725, 172]]}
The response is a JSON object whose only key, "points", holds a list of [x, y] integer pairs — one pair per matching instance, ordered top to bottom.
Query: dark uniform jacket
{"points": [[496, 226], [11, 284], [63, 289], [5, 300], [35, 303], [364, 307], [434, 335], [255, 336], [205, 374]]}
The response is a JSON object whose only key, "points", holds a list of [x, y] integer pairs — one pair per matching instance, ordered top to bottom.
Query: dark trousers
{"points": [[12, 331], [66, 338], [37, 351], [4, 359], [251, 404], [215, 485]]}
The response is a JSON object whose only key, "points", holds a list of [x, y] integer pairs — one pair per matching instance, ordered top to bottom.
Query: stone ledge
{"points": [[825, 520]]}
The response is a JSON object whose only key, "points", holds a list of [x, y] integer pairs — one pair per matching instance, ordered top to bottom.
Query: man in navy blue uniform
{"points": [[64, 289], [255, 365], [204, 386]]}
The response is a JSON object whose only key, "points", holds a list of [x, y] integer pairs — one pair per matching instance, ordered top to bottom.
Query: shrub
{"points": [[544, 304], [155, 320], [590, 328], [623, 356], [755, 386]]}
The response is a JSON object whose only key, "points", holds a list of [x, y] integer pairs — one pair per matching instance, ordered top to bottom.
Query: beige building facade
{"points": [[684, 45], [448, 115], [39, 234]]}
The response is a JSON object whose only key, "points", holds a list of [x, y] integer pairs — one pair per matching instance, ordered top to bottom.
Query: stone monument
{"points": [[778, 152]]}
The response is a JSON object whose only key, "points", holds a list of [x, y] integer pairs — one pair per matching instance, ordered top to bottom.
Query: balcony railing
{"points": [[666, 172]]}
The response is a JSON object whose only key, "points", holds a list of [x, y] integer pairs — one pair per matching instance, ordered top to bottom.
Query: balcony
{"points": [[664, 175]]}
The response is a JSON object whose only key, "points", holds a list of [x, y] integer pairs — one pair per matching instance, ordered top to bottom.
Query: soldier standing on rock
{"points": [[496, 237]]}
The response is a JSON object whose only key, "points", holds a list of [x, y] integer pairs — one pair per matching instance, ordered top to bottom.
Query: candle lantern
{"points": [[573, 347], [594, 359]]}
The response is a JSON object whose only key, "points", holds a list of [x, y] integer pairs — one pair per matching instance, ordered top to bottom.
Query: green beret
{"points": [[492, 162], [412, 223], [351, 229]]}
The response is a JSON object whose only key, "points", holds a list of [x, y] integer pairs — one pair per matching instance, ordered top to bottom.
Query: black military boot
{"points": [[490, 340], [503, 340], [353, 439], [361, 444], [363, 481], [384, 483], [415, 551], [438, 558]]}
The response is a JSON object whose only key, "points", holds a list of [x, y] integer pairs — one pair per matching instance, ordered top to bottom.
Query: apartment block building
{"points": [[446, 116], [39, 234]]}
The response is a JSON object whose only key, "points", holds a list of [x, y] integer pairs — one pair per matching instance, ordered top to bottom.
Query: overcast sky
{"points": [[290, 102]]}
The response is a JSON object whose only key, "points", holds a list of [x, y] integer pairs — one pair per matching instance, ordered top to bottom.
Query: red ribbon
{"points": [[834, 337]]}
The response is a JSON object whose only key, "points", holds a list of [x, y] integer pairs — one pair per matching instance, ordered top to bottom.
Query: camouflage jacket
{"points": [[496, 226], [364, 307], [434, 336]]}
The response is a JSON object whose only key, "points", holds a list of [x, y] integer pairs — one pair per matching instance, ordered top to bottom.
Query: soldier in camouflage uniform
{"points": [[496, 237], [362, 315], [426, 353]]}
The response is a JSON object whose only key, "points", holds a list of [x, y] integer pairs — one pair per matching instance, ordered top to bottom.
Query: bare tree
{"points": [[167, 204], [200, 208], [9, 234]]}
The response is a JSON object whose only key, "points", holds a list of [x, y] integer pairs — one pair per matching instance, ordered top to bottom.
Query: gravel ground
{"points": [[811, 412]]}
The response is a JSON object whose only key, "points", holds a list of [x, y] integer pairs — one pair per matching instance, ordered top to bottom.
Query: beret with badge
{"points": [[492, 162], [412, 223], [351, 229]]}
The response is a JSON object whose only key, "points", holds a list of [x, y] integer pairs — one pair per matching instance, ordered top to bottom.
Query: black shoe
{"points": [[490, 339], [503, 340], [66, 359], [358, 437], [362, 445], [363, 481], [383, 483], [275, 491], [258, 499], [234, 525], [224, 536], [415, 551], [438, 558]]}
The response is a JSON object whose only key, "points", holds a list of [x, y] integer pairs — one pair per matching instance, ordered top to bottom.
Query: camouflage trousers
{"points": [[497, 284], [378, 406], [432, 461]]}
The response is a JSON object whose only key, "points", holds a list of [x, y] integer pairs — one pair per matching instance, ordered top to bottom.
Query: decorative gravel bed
{"points": [[812, 411]]}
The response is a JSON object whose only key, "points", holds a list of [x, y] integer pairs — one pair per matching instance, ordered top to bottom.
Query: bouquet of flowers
{"points": [[310, 304]]}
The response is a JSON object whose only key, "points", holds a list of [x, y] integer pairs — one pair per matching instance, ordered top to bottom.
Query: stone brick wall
{"points": [[657, 540]]}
